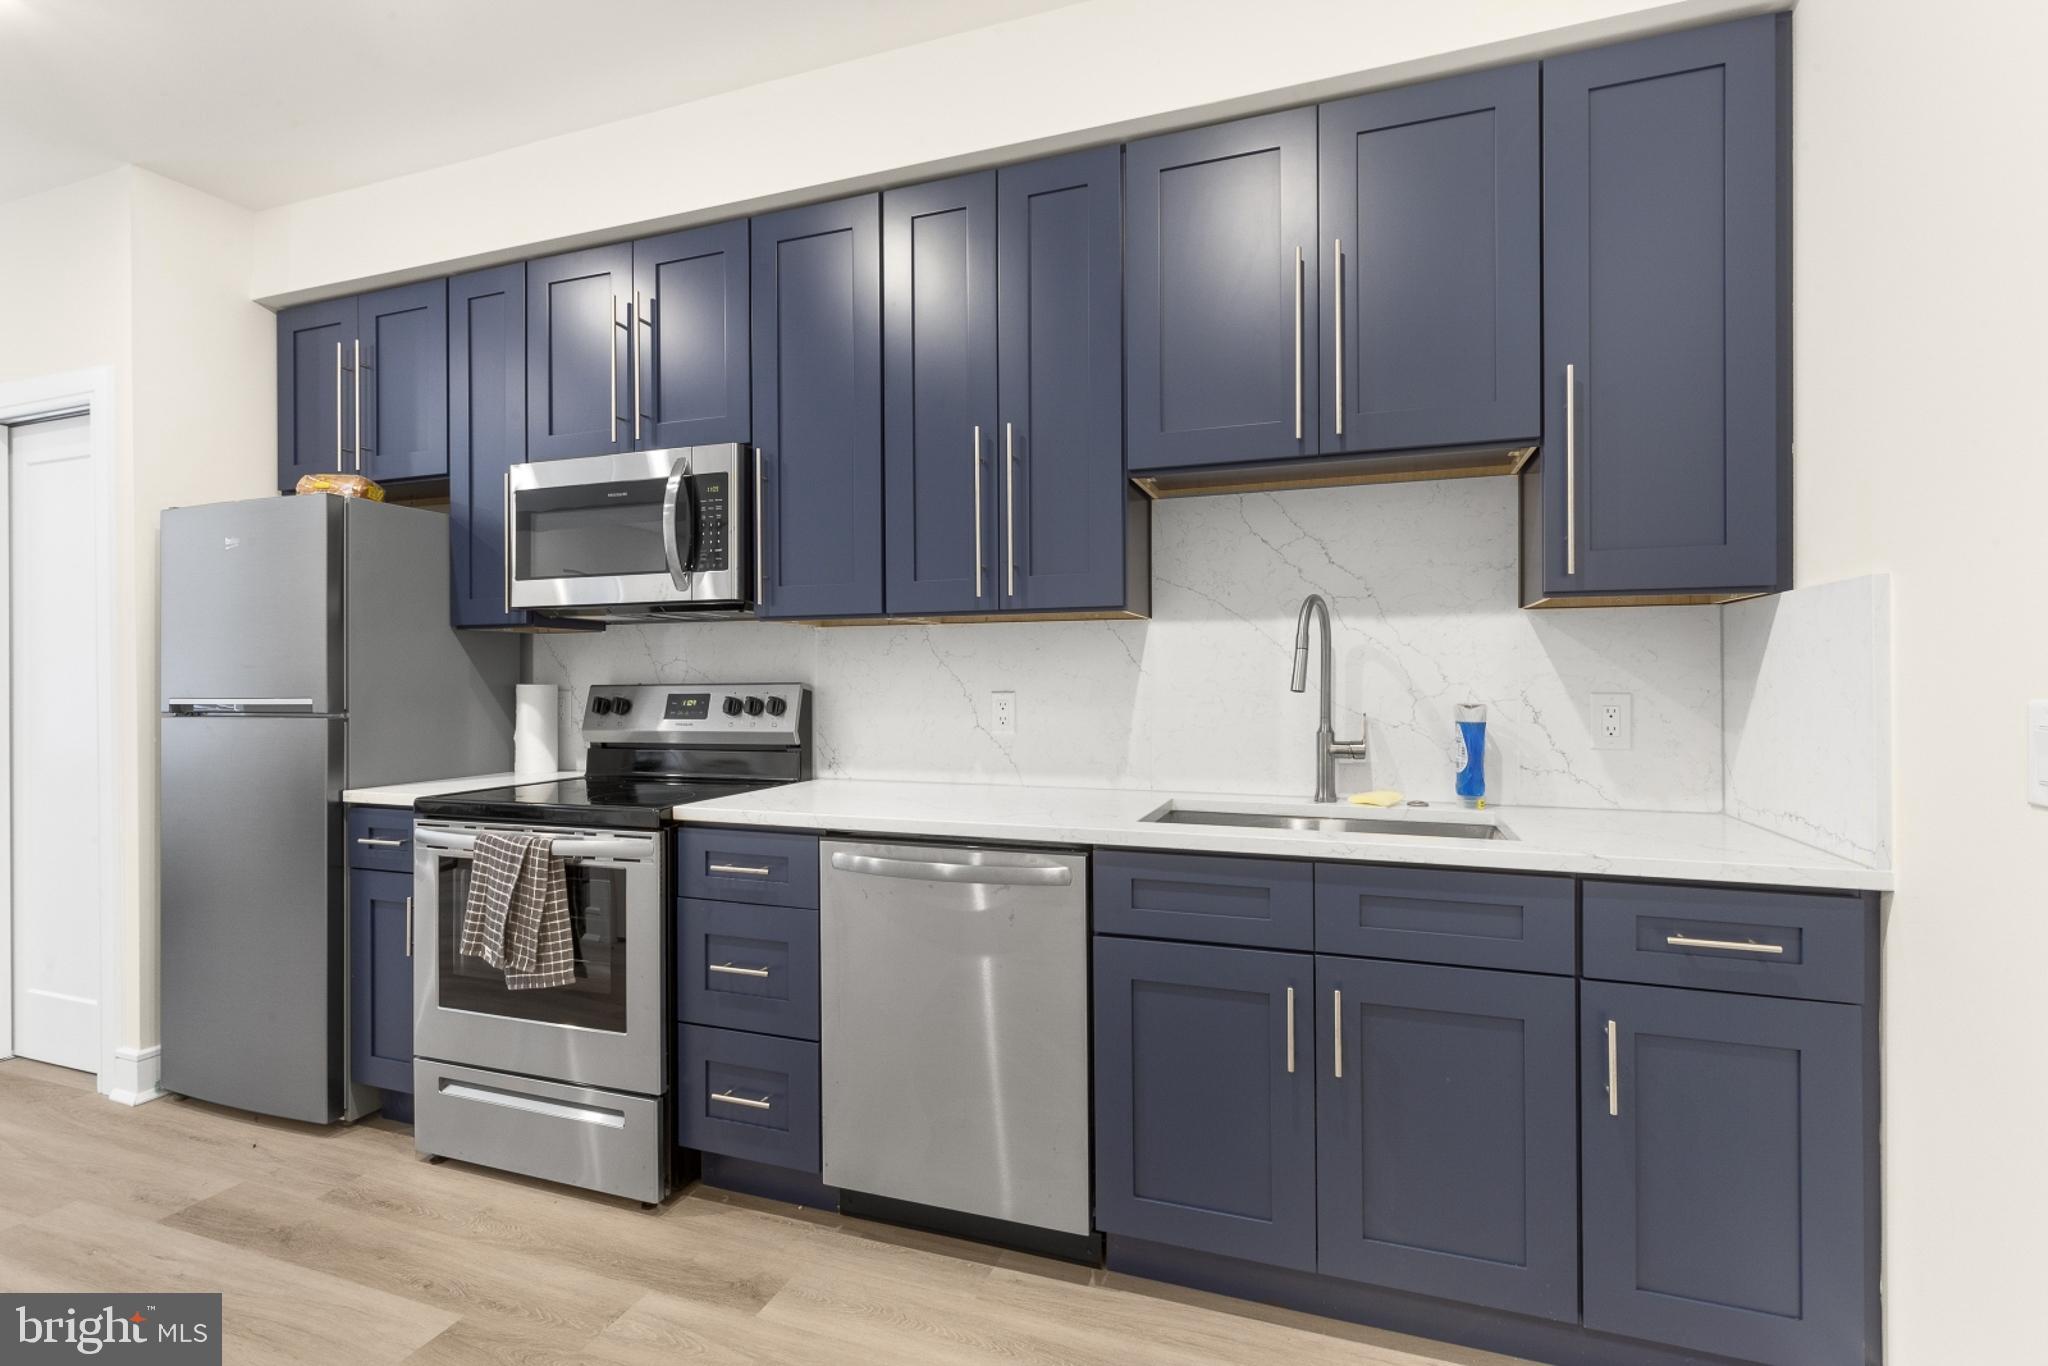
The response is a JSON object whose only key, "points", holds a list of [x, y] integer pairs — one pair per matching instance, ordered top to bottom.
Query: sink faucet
{"points": [[1328, 747]]}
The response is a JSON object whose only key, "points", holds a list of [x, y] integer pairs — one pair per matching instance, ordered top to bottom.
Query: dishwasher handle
{"points": [[923, 870]]}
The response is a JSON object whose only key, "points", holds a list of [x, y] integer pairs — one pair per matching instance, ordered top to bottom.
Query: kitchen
{"points": [[1212, 721]]}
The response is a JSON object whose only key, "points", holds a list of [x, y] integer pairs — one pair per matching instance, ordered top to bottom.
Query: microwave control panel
{"points": [[710, 493]]}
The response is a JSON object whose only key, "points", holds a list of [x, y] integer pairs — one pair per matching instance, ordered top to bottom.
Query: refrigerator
{"points": [[305, 649]]}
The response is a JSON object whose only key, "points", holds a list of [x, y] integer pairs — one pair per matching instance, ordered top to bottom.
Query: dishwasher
{"points": [[954, 1029]]}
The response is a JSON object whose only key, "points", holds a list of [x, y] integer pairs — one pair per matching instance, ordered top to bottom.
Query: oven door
{"points": [[641, 528], [604, 1029]]}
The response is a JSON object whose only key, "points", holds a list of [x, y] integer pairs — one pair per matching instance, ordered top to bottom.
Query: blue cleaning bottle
{"points": [[1472, 754]]}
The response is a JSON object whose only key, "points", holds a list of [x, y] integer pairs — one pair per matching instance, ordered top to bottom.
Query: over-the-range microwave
{"points": [[631, 537]]}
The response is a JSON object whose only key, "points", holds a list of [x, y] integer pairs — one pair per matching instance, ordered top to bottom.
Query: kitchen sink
{"points": [[1334, 825]]}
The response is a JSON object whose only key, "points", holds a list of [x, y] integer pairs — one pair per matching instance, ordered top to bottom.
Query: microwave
{"points": [[636, 536]]}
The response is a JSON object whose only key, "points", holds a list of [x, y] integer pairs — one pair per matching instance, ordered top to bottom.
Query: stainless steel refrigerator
{"points": [[306, 649]]}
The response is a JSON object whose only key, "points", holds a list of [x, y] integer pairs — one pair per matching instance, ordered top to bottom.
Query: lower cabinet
{"points": [[380, 978], [748, 1095], [1205, 1098], [1446, 1143], [1726, 1172]]}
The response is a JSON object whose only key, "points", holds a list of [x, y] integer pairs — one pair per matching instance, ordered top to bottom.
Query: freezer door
{"points": [[252, 605], [252, 915]]}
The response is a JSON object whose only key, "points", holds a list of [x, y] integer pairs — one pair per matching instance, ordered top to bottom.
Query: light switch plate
{"points": [[2037, 752]]}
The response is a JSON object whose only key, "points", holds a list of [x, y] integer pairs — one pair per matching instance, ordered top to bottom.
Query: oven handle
{"points": [[679, 509], [453, 842]]}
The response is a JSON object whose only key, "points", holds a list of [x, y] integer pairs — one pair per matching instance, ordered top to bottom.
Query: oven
{"points": [[631, 536], [607, 1028]]}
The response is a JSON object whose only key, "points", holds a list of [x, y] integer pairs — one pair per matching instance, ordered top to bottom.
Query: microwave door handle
{"points": [[679, 511]]}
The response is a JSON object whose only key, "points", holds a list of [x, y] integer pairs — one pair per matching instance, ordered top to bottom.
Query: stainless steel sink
{"points": [[1334, 825]]}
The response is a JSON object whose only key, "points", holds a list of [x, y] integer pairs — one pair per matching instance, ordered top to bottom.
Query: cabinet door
{"points": [[1431, 244], [1220, 286], [1060, 309], [315, 356], [690, 358], [577, 364], [403, 371], [939, 403], [818, 408], [1666, 410], [486, 435], [380, 978], [1205, 1098], [1446, 1150], [1725, 1172]]}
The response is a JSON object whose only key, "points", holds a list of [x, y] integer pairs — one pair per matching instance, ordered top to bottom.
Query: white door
{"points": [[54, 700]]}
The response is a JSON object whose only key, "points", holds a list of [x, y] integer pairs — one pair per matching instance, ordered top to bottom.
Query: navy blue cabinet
{"points": [[1221, 288], [817, 303], [1431, 316], [690, 361], [578, 366], [402, 374], [315, 383], [939, 404], [486, 435], [1666, 466], [380, 935], [1205, 1098], [1446, 1146], [1727, 1149]]}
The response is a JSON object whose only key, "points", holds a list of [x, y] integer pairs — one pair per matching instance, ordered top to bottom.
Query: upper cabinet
{"points": [[1221, 288], [817, 303], [1431, 312], [690, 363], [578, 366], [362, 386], [1003, 404], [486, 435], [1666, 467]]}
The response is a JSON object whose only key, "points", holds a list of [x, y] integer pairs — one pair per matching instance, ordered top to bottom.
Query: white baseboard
{"points": [[132, 1080]]}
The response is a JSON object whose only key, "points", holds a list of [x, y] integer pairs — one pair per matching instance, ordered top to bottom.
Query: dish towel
{"points": [[517, 916]]}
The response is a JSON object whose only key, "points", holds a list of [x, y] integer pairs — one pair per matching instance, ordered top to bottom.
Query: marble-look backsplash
{"points": [[1421, 580]]}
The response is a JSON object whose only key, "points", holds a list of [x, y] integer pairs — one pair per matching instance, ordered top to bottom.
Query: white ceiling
{"points": [[262, 102]]}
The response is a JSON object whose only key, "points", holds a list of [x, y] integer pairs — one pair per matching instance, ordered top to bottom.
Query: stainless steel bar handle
{"points": [[1337, 259], [634, 322], [1297, 343], [612, 349], [359, 404], [337, 407], [1571, 469], [1010, 505], [977, 512], [373, 842], [455, 842], [739, 870], [922, 870], [408, 927], [1686, 941], [734, 970], [1290, 1031], [1337, 1033], [1613, 1071], [728, 1098]]}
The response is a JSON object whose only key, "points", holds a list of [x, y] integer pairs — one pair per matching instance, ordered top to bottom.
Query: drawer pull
{"points": [[372, 842], [740, 870], [1686, 941], [734, 970], [1613, 1071], [747, 1102]]}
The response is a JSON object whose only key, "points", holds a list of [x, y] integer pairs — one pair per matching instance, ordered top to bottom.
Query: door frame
{"points": [[90, 394]]}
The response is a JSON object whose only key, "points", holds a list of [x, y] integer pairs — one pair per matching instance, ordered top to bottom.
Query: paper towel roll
{"points": [[537, 730]]}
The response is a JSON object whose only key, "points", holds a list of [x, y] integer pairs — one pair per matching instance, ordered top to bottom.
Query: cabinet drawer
{"points": [[380, 837], [765, 867], [1259, 903], [1439, 915], [1814, 945], [748, 967], [748, 1095], [607, 1141]]}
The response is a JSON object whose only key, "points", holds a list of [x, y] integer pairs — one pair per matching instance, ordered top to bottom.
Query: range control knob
{"points": [[601, 705], [622, 705], [777, 705], [733, 706], [754, 706]]}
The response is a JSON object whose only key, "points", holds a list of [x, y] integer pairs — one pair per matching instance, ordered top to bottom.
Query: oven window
{"points": [[591, 530], [597, 922]]}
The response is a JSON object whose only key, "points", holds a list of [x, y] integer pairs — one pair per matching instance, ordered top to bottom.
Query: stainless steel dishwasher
{"points": [[954, 1039]]}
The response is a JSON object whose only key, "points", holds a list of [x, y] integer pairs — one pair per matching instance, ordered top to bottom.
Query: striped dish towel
{"points": [[517, 916]]}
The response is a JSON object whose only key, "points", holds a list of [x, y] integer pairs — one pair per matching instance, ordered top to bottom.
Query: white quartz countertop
{"points": [[405, 794], [1682, 846]]}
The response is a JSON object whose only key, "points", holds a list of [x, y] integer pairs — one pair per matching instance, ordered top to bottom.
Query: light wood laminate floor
{"points": [[340, 1245]]}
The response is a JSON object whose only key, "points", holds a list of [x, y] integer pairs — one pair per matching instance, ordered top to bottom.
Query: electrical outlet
{"points": [[1002, 713], [1612, 728]]}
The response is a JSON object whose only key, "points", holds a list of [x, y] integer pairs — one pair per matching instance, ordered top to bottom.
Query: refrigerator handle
{"points": [[196, 705]]}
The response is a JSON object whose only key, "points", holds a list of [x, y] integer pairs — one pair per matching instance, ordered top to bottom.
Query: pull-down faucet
{"points": [[1328, 747]]}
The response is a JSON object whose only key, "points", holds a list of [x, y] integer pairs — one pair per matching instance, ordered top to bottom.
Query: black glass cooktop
{"points": [[604, 803]]}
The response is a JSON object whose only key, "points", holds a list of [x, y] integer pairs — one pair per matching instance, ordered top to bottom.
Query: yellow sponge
{"points": [[1382, 797]]}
